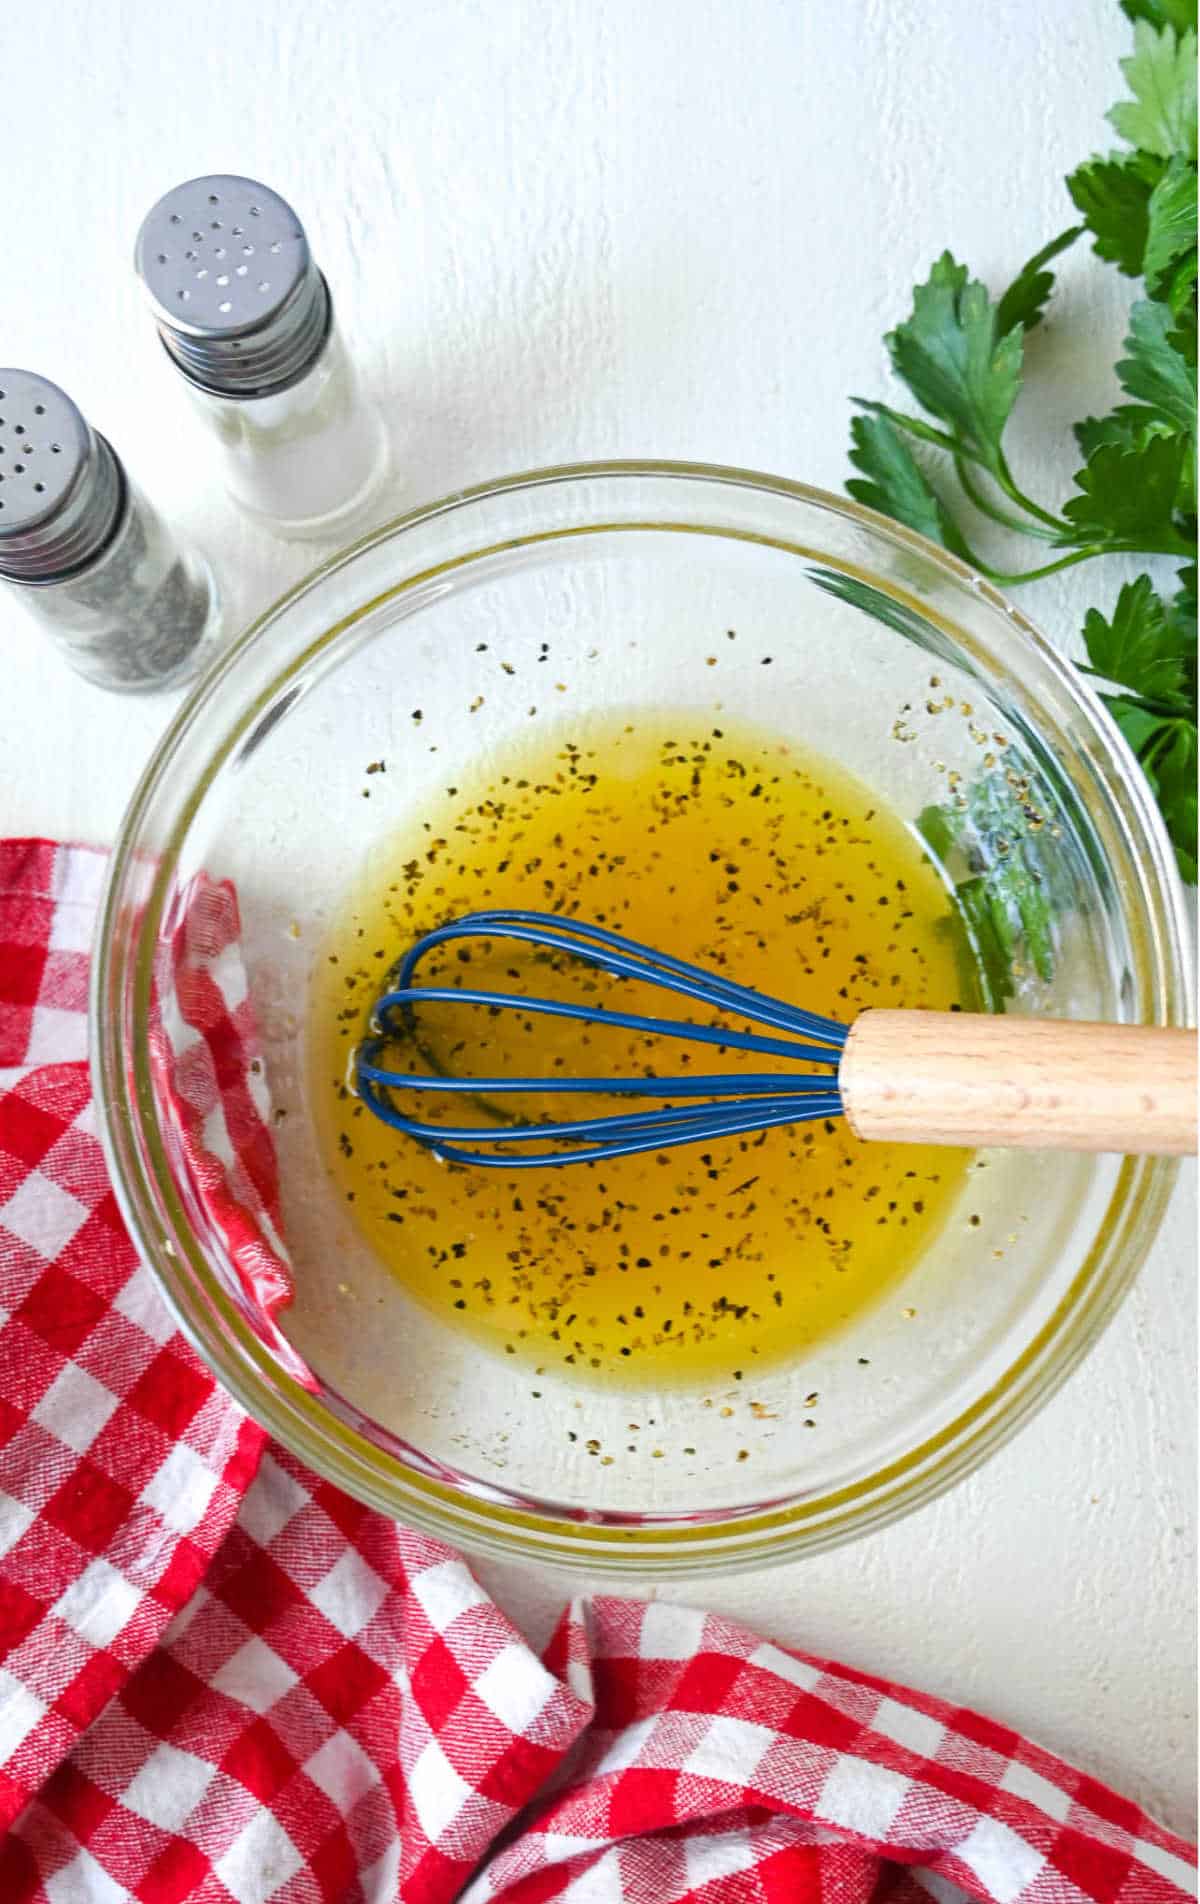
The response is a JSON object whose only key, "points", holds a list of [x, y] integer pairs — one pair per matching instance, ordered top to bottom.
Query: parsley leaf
{"points": [[1177, 13], [1161, 71], [1114, 196], [1172, 229], [1180, 297], [1024, 301], [1183, 338], [961, 357], [952, 358], [1155, 370], [1128, 425], [917, 426], [897, 486], [1128, 495], [1185, 495], [1183, 605], [1139, 648], [1151, 650], [1166, 749], [1172, 774], [1005, 903], [988, 927]]}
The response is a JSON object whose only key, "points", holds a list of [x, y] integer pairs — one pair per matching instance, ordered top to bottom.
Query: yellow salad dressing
{"points": [[725, 847]]}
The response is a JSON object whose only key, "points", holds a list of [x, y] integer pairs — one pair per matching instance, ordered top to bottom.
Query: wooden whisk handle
{"points": [[918, 1077]]}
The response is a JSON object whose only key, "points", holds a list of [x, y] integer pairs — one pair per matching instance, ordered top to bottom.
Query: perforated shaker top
{"points": [[239, 302], [60, 484]]}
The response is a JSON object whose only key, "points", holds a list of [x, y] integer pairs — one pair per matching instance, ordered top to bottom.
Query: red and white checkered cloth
{"points": [[224, 1681]]}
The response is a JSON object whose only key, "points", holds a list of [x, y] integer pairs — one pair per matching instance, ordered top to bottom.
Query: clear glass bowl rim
{"points": [[509, 1525]]}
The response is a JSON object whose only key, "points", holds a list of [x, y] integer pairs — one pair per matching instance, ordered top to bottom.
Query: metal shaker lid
{"points": [[238, 300], [60, 484]]}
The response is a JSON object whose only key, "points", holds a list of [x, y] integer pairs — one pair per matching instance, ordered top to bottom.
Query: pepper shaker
{"points": [[247, 319], [86, 555]]}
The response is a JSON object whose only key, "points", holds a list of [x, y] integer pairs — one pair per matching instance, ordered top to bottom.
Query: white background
{"points": [[565, 229]]}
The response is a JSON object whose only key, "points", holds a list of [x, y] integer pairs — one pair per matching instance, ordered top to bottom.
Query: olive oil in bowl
{"points": [[724, 847]]}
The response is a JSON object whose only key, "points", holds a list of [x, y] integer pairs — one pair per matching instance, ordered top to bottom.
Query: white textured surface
{"points": [[564, 229]]}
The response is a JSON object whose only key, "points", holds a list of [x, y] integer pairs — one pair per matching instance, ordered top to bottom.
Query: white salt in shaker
{"points": [[247, 318], [85, 554]]}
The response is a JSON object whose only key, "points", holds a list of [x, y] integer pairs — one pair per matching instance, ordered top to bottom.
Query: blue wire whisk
{"points": [[904, 1076], [735, 1102]]}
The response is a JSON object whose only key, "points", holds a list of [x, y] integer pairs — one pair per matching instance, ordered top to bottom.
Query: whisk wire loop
{"points": [[733, 1105]]}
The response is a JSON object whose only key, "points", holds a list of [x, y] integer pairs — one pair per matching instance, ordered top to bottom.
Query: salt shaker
{"points": [[247, 319], [86, 555]]}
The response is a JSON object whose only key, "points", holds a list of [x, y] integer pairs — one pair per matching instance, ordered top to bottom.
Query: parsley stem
{"points": [[1004, 477], [1020, 525], [1080, 555], [1052, 568], [1163, 741]]}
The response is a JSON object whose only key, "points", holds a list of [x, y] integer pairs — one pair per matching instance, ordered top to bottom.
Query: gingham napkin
{"points": [[224, 1681]]}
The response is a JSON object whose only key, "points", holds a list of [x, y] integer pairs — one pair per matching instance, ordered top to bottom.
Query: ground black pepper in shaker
{"points": [[247, 319], [86, 555]]}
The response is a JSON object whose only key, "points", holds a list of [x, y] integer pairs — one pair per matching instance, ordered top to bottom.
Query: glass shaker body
{"points": [[248, 321], [306, 460], [85, 554], [141, 617]]}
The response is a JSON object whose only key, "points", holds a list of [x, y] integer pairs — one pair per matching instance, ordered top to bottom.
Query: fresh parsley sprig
{"points": [[961, 355]]}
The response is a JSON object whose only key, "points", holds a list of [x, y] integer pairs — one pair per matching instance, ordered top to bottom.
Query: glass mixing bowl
{"points": [[887, 655]]}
